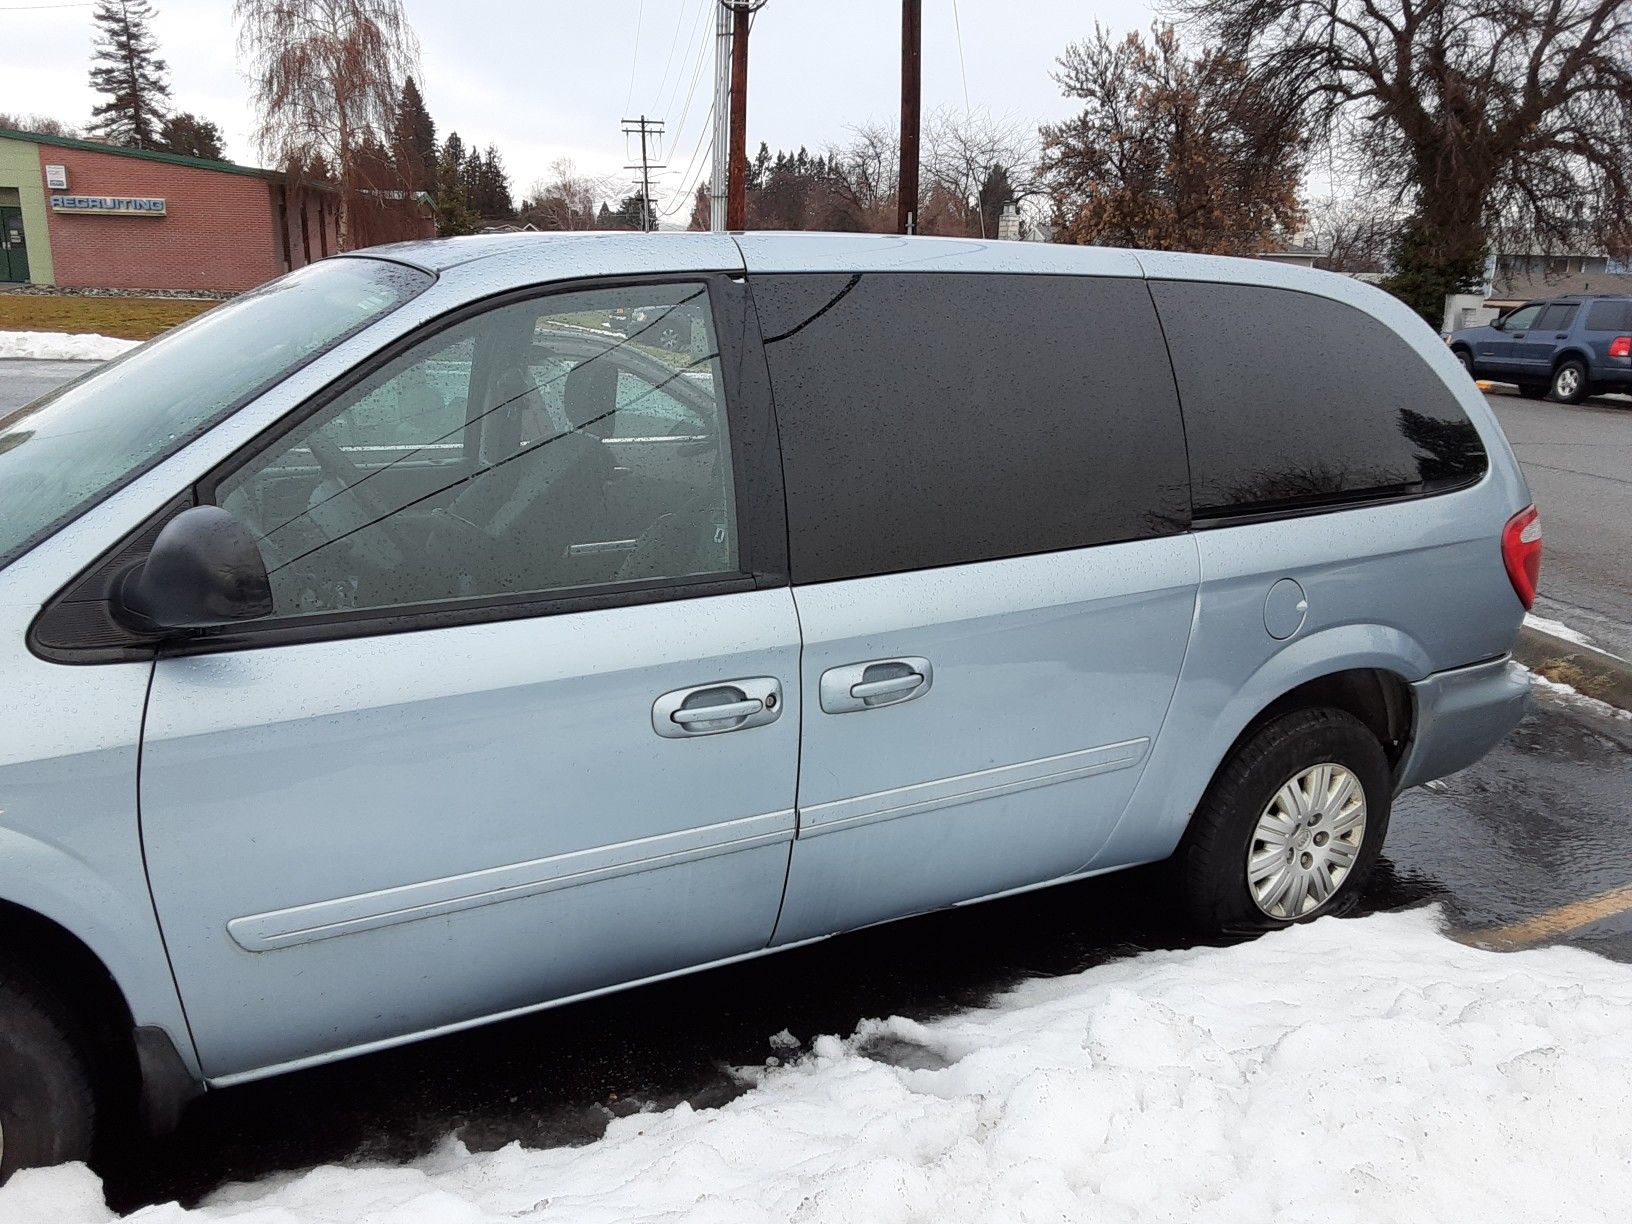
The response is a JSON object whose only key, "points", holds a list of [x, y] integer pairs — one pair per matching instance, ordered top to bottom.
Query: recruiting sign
{"points": [[121, 206]]}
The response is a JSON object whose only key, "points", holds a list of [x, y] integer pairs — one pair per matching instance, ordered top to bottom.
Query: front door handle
{"points": [[880, 682], [711, 709]]}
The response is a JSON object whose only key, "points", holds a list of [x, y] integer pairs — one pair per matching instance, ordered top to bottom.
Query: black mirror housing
{"points": [[204, 570]]}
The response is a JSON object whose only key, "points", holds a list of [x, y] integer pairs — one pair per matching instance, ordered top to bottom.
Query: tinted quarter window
{"points": [[1610, 317], [1292, 400], [933, 419]]}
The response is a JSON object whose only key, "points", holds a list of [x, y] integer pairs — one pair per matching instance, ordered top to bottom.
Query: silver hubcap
{"points": [[1569, 379], [1307, 841]]}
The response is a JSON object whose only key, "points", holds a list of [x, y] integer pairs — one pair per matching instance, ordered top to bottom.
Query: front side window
{"points": [[1522, 319], [1292, 400], [69, 450], [494, 459]]}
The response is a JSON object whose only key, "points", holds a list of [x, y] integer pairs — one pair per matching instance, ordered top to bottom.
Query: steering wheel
{"points": [[388, 553]]}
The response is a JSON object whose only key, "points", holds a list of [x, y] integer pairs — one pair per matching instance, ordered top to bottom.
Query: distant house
{"points": [[1301, 249], [1517, 279]]}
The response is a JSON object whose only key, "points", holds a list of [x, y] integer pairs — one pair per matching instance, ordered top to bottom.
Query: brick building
{"points": [[78, 214]]}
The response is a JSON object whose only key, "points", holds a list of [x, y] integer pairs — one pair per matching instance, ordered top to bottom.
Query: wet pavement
{"points": [[1540, 823]]}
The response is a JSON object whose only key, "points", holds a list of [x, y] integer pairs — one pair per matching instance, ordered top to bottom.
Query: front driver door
{"points": [[447, 780]]}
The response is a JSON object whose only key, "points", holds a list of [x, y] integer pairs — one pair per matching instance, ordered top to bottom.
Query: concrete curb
{"points": [[1601, 675]]}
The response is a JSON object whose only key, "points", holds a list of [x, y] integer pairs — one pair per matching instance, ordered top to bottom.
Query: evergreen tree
{"points": [[126, 67], [187, 134], [413, 139], [495, 199], [454, 214], [1425, 274]]}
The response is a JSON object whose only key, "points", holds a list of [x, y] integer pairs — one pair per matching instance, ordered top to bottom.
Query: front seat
{"points": [[535, 501]]}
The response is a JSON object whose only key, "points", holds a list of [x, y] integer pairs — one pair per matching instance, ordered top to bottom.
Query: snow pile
{"points": [[62, 346], [1364, 1071]]}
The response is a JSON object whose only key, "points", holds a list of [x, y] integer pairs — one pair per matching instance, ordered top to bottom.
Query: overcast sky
{"points": [[547, 78]]}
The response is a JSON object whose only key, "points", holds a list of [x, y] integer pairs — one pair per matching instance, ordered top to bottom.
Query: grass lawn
{"points": [[127, 318]]}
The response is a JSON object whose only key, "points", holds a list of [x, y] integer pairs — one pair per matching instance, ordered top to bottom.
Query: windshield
{"points": [[75, 446]]}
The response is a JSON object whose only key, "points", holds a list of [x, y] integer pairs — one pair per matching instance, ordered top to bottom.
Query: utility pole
{"points": [[912, 37], [722, 115], [648, 130], [736, 205]]}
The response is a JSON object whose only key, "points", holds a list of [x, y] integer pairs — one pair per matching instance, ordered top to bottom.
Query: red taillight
{"points": [[1621, 346], [1521, 553]]}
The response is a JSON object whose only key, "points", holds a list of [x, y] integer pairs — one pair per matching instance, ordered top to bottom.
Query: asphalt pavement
{"points": [[23, 382], [1578, 460]]}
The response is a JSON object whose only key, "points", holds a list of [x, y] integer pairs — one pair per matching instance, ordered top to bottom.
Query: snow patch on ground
{"points": [[62, 346], [1560, 630], [1342, 1072]]}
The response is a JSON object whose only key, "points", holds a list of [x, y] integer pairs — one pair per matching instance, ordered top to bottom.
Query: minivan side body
{"points": [[1530, 346], [966, 607]]}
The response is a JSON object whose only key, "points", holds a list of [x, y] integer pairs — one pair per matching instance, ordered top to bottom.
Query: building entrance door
{"points": [[13, 249]]}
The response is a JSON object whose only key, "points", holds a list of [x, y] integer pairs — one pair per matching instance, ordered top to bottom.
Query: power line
{"points": [[674, 42], [634, 62], [962, 67], [695, 164]]}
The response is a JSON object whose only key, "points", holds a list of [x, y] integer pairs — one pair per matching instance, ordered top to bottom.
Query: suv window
{"points": [[1557, 316], [1610, 317], [1522, 319], [1292, 400], [937, 418], [486, 461]]}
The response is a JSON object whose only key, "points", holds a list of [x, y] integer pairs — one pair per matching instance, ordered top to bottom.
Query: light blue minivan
{"points": [[403, 646]]}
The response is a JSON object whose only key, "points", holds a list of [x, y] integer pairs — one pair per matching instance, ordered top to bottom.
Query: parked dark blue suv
{"points": [[1570, 347]]}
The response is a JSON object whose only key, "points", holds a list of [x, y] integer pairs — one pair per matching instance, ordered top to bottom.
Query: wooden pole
{"points": [[912, 32], [736, 203]]}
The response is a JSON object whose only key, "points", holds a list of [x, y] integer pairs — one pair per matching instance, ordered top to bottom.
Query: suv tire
{"points": [[1466, 358], [1570, 381], [1270, 785], [47, 1108]]}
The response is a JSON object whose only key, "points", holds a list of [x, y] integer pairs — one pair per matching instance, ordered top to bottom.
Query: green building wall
{"points": [[21, 169]]}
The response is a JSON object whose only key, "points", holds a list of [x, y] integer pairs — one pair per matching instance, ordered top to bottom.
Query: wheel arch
{"points": [[1572, 352], [1365, 670], [136, 1067]]}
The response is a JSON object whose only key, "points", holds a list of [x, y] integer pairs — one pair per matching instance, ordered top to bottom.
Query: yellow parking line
{"points": [[1550, 924]]}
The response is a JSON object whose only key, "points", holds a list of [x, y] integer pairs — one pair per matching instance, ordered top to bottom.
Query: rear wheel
{"points": [[1570, 382], [1290, 827], [47, 1110]]}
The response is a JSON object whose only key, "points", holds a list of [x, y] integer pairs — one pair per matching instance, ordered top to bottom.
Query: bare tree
{"points": [[326, 79], [1491, 122], [1170, 151], [969, 160], [566, 200], [1356, 232]]}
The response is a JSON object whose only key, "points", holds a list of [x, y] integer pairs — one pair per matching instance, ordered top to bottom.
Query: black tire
{"points": [[1466, 358], [1569, 385], [1532, 390], [1212, 859], [47, 1107]]}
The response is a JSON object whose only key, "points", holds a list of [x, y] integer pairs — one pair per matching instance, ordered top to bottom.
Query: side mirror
{"points": [[1499, 324], [205, 569]]}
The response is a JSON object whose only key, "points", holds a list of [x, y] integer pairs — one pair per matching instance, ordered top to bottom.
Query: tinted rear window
{"points": [[1557, 317], [1610, 317], [1294, 401], [936, 419]]}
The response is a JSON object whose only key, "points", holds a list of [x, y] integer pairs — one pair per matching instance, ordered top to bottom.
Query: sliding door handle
{"points": [[880, 682]]}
